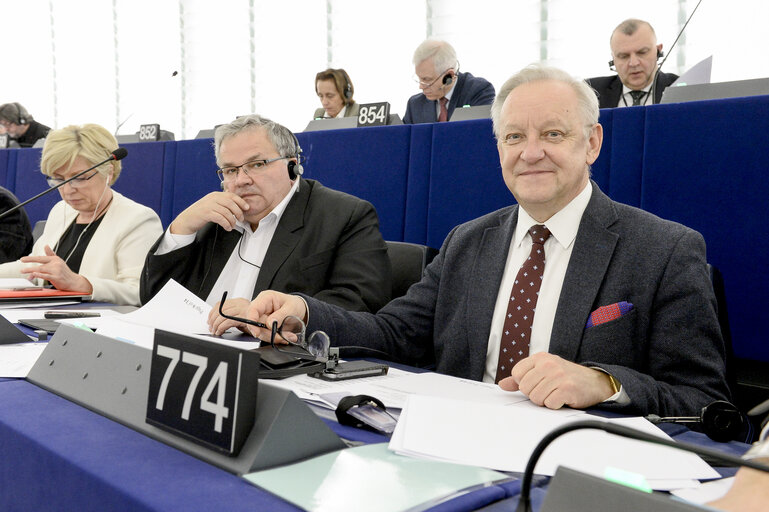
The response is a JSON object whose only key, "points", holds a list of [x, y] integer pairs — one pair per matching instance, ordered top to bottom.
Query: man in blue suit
{"points": [[444, 88], [616, 306]]}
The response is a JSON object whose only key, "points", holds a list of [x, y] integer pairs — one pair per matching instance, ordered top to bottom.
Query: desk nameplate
{"points": [[112, 378]]}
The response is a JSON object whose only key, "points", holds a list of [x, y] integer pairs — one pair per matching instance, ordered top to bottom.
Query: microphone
{"points": [[669, 52], [116, 155], [721, 421], [524, 503]]}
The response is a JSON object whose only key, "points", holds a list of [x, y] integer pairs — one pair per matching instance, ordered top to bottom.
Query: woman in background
{"points": [[335, 90], [95, 239]]}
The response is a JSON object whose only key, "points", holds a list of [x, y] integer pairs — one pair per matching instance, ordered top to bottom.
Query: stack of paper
{"points": [[503, 437]]}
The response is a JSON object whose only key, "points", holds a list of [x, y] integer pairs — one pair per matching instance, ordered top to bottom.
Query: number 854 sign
{"points": [[203, 391]]}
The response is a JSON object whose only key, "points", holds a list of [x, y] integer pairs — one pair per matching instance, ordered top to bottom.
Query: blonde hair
{"points": [[90, 141]]}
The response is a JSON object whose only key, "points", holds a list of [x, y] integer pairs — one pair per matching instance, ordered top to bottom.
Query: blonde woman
{"points": [[95, 240]]}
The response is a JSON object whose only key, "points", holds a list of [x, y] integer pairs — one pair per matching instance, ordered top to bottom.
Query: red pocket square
{"points": [[608, 313]]}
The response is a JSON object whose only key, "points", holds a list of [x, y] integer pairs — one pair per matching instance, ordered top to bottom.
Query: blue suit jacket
{"points": [[469, 90], [667, 352]]}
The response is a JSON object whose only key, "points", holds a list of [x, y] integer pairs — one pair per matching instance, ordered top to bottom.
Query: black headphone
{"points": [[660, 54], [447, 79], [347, 87], [19, 115], [295, 168], [720, 420]]}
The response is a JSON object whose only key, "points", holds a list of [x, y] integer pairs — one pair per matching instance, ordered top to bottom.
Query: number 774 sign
{"points": [[202, 391]]}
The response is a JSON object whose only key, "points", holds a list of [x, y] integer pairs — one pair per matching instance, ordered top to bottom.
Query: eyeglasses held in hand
{"points": [[292, 332]]}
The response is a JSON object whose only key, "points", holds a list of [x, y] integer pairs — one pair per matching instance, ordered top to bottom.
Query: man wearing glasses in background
{"points": [[444, 88], [270, 229]]}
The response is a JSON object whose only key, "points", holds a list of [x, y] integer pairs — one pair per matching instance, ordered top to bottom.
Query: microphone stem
{"points": [[44, 192]]}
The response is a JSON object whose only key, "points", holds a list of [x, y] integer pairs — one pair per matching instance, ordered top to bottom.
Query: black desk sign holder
{"points": [[111, 378]]}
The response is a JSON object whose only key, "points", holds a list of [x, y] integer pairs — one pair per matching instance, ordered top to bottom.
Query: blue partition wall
{"points": [[371, 163], [705, 166], [141, 175], [465, 177], [29, 182]]}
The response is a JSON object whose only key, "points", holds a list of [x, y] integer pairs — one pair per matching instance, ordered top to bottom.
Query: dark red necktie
{"points": [[444, 115], [516, 334]]}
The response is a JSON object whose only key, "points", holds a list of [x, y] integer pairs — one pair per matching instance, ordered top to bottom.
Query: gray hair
{"points": [[629, 27], [443, 55], [586, 97], [281, 137]]}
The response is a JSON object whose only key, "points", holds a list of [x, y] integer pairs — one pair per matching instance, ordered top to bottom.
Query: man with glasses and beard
{"points": [[269, 228]]}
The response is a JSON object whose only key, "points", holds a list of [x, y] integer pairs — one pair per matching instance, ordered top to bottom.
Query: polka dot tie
{"points": [[516, 333]]}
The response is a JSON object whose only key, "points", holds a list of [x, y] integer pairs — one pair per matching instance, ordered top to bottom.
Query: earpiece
{"points": [[611, 65], [447, 79], [19, 114], [295, 168]]}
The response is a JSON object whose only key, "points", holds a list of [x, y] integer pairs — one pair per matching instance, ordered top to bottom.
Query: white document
{"points": [[17, 283], [174, 309], [18, 359], [439, 385], [309, 388], [503, 438], [706, 492]]}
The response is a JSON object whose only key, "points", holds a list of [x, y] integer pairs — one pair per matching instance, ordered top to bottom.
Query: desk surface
{"points": [[57, 455]]}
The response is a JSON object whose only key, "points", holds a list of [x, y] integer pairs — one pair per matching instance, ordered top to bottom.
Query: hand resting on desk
{"points": [[53, 269], [217, 324], [545, 378], [552, 381]]}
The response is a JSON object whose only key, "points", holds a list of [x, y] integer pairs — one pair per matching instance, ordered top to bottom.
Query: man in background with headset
{"points": [[635, 53], [444, 88], [21, 126], [269, 228]]}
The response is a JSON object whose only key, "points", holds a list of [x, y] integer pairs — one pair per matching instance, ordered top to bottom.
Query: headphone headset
{"points": [[660, 54], [447, 79], [347, 88], [20, 117], [295, 168], [720, 420]]}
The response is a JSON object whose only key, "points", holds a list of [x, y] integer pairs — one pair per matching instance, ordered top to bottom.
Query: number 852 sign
{"points": [[203, 391]]}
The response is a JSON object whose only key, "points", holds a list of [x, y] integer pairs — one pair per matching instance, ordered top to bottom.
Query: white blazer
{"points": [[114, 258]]}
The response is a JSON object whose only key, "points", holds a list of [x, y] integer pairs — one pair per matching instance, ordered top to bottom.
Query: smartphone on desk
{"points": [[352, 370]]}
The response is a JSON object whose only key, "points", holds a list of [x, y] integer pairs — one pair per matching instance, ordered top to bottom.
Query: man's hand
{"points": [[223, 208], [54, 270], [270, 306], [217, 324], [552, 381]]}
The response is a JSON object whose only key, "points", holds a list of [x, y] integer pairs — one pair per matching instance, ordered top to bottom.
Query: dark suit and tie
{"points": [[609, 89], [469, 90], [327, 245], [624, 317]]}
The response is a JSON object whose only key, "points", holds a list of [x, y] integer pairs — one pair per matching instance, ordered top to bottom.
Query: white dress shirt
{"points": [[448, 100], [626, 100], [563, 227], [238, 277]]}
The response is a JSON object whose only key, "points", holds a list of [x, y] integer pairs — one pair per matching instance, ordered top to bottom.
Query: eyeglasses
{"points": [[426, 84], [227, 174], [76, 183], [292, 332]]}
